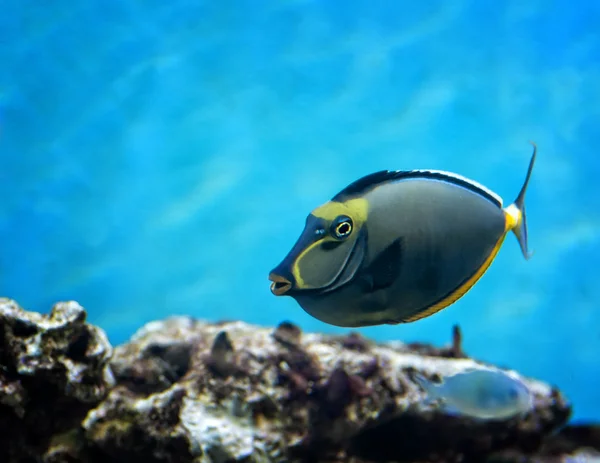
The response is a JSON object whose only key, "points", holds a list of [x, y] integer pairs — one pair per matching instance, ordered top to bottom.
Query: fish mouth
{"points": [[279, 285]]}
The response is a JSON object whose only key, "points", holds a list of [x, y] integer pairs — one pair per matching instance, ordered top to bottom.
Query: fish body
{"points": [[397, 246], [480, 393]]}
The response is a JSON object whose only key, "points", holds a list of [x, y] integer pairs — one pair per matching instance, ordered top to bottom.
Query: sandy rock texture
{"points": [[185, 390]]}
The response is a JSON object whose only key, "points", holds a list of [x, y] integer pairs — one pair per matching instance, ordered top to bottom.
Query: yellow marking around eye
{"points": [[357, 209], [337, 229], [467, 285]]}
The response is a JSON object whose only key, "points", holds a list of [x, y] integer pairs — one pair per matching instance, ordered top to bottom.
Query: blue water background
{"points": [[159, 158]]}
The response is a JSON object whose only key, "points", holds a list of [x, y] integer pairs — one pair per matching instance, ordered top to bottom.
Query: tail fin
{"points": [[517, 210], [426, 385]]}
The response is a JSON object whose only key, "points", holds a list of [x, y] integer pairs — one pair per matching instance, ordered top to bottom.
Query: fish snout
{"points": [[280, 284]]}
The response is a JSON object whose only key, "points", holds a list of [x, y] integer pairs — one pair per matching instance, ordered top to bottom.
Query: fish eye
{"points": [[341, 227], [513, 393]]}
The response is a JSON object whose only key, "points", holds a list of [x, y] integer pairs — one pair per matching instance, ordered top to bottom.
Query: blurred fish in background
{"points": [[156, 157], [482, 393]]}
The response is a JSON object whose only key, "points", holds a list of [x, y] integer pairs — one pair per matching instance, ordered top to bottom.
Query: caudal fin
{"points": [[516, 210], [426, 385]]}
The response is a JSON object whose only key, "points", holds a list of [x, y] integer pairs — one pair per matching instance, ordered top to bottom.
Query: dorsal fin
{"points": [[368, 182], [363, 184]]}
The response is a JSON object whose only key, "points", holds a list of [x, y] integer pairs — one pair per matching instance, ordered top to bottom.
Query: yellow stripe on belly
{"points": [[466, 286]]}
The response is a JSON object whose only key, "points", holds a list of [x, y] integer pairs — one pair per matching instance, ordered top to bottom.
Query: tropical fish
{"points": [[398, 246], [483, 393]]}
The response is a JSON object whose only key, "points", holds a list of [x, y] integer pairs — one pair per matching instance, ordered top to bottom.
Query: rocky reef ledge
{"points": [[184, 390]]}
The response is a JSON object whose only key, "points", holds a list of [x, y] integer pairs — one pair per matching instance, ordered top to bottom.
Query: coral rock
{"points": [[53, 369], [185, 390], [255, 394]]}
